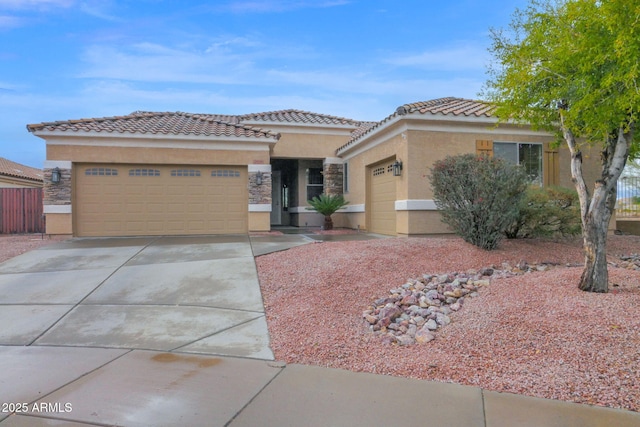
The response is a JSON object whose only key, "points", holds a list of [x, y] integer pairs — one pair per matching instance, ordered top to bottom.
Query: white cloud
{"points": [[35, 4], [273, 6], [101, 9], [9, 22], [456, 58], [151, 62]]}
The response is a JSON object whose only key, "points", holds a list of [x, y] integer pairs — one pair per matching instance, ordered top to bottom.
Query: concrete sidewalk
{"points": [[172, 331]]}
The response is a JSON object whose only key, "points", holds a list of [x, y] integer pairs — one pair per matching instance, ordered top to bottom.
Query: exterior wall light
{"points": [[397, 168], [56, 175], [259, 178]]}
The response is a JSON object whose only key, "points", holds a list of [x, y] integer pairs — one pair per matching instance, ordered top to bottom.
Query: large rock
{"points": [[431, 325], [424, 335]]}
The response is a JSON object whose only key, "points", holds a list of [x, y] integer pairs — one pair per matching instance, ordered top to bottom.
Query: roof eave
{"points": [[45, 134]]}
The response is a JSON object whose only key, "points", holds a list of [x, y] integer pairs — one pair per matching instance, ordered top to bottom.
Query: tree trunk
{"points": [[596, 210], [328, 223], [595, 277]]}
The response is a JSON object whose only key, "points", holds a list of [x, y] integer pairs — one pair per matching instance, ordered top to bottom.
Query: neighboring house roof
{"points": [[436, 107], [299, 117], [168, 123], [16, 170]]}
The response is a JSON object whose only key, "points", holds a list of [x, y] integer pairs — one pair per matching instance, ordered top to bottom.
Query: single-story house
{"points": [[150, 173], [15, 175]]}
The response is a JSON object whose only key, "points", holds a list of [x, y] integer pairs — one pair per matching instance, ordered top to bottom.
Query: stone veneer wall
{"points": [[333, 178], [60, 193], [260, 194]]}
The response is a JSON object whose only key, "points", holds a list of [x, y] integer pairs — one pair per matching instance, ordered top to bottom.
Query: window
{"points": [[529, 156], [378, 171], [101, 172], [144, 172], [185, 172], [225, 173], [345, 178], [314, 183], [285, 197]]}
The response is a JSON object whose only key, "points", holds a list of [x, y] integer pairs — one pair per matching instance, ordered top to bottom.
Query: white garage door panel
{"points": [[131, 200]]}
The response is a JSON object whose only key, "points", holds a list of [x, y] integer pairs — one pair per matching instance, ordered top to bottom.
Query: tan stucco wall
{"points": [[308, 146], [394, 147], [425, 148], [418, 149], [89, 154], [591, 167], [9, 182], [308, 219], [352, 220], [259, 221], [421, 222], [59, 224], [629, 225]]}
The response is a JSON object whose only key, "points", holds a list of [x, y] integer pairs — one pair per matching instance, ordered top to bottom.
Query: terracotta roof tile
{"points": [[442, 106], [454, 106], [298, 116], [167, 123], [362, 129], [9, 168]]}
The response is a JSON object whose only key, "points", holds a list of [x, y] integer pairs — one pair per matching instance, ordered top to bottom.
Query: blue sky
{"points": [[69, 59]]}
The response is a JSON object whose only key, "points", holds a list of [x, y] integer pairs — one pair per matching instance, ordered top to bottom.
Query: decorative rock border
{"points": [[413, 312]]}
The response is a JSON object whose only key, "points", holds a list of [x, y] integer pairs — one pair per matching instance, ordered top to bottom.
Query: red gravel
{"points": [[12, 245], [534, 334]]}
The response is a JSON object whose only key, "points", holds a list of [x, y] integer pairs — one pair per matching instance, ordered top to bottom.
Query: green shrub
{"points": [[478, 196], [327, 205], [547, 212]]}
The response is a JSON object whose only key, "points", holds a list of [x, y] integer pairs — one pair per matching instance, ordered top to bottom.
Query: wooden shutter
{"points": [[484, 147], [550, 165]]}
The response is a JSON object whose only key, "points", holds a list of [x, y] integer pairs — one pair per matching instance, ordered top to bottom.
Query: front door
{"points": [[276, 198]]}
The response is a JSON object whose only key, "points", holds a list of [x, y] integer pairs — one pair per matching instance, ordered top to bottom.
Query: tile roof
{"points": [[446, 106], [441, 107], [298, 116], [168, 123], [362, 129], [9, 168]]}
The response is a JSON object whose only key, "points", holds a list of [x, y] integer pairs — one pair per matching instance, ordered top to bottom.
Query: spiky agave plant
{"points": [[327, 205]]}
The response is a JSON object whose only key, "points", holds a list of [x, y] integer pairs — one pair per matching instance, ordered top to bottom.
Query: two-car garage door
{"points": [[144, 200]]}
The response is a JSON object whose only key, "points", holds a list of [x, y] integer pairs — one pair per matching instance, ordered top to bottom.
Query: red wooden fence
{"points": [[21, 210]]}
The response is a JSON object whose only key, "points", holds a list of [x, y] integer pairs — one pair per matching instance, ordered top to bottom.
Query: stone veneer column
{"points": [[333, 168], [57, 194], [259, 194], [57, 198], [259, 198]]}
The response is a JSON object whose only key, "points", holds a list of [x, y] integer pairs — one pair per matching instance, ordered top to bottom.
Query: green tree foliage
{"points": [[572, 67], [478, 196], [327, 205], [547, 212]]}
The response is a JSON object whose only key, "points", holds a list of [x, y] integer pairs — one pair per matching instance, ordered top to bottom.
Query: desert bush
{"points": [[478, 196], [327, 205], [547, 212]]}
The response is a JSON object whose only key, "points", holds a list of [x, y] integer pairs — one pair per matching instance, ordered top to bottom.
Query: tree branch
{"points": [[576, 168]]}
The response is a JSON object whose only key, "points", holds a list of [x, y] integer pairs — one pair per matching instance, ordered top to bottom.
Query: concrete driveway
{"points": [[192, 294], [132, 331], [171, 331]]}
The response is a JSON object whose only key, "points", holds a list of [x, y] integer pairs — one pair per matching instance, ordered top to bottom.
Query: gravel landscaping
{"points": [[12, 245], [531, 332]]}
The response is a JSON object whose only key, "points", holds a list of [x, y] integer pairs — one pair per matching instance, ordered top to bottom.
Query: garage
{"points": [[382, 196], [147, 200]]}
